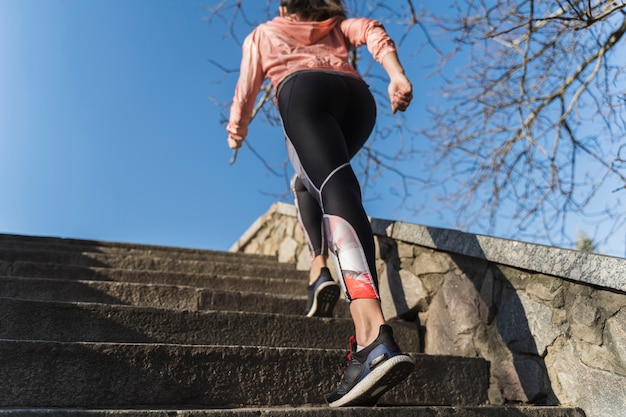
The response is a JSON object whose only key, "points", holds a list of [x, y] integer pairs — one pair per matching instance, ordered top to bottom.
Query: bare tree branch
{"points": [[538, 111]]}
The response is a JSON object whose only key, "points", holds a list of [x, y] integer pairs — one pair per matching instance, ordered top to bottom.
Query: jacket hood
{"points": [[306, 33]]}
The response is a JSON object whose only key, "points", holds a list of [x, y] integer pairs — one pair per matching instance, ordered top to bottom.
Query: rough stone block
{"points": [[287, 250], [453, 316], [526, 326], [598, 392]]}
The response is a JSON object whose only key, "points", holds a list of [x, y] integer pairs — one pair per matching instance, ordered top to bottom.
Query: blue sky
{"points": [[106, 127], [109, 129]]}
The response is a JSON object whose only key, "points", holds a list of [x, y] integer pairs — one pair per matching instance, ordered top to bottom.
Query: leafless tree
{"points": [[535, 123], [529, 124]]}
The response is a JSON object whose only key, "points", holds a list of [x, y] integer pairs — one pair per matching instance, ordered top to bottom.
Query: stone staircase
{"points": [[104, 329]]}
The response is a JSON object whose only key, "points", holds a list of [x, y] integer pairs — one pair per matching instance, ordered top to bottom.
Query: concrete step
{"points": [[36, 243], [105, 254], [236, 266], [294, 284], [175, 297], [86, 322], [90, 328], [37, 374], [398, 411]]}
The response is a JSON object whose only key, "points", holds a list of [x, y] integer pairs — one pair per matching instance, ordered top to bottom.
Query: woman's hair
{"points": [[314, 10]]}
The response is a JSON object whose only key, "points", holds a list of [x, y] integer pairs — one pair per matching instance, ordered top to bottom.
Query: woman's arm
{"points": [[370, 32], [248, 86], [400, 88]]}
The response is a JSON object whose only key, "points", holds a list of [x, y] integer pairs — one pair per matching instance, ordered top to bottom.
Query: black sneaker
{"points": [[322, 296], [371, 372]]}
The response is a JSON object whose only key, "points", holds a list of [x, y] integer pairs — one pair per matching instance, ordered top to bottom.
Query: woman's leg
{"points": [[327, 119], [310, 220], [352, 245], [322, 290]]}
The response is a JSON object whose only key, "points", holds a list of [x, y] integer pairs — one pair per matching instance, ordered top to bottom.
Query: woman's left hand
{"points": [[400, 92], [234, 143]]}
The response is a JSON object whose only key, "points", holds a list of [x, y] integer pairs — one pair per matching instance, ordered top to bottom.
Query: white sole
{"points": [[380, 380]]}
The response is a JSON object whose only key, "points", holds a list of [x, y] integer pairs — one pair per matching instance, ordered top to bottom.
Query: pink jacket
{"points": [[282, 46]]}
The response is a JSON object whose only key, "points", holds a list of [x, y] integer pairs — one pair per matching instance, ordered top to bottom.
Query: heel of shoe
{"points": [[325, 299]]}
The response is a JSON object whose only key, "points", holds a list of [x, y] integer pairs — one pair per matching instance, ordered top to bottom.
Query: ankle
{"points": [[318, 263], [314, 274], [367, 316], [367, 335]]}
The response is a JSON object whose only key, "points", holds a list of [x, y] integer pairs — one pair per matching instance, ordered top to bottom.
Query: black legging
{"points": [[327, 117]]}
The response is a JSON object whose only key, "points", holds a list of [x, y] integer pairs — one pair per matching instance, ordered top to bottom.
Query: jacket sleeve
{"points": [[362, 31], [251, 78]]}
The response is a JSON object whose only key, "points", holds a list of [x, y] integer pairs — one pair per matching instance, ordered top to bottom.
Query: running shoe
{"points": [[322, 296], [371, 372]]}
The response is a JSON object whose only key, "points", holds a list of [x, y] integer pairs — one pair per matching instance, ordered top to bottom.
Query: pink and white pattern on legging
{"points": [[347, 253]]}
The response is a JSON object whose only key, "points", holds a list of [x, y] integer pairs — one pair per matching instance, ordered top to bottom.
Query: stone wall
{"points": [[552, 322]]}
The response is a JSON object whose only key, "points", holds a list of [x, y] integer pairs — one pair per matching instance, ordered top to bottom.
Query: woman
{"points": [[328, 113]]}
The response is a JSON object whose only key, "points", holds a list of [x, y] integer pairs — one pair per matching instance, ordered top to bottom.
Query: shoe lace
{"points": [[352, 349]]}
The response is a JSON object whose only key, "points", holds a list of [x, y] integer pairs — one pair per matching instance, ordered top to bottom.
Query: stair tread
{"points": [[8, 241], [45, 254], [223, 270], [170, 296], [73, 321], [215, 376], [322, 411]]}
